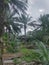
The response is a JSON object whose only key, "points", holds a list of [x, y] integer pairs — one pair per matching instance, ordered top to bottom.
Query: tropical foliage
{"points": [[14, 18]]}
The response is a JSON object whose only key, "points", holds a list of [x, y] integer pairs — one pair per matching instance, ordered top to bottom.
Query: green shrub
{"points": [[29, 55]]}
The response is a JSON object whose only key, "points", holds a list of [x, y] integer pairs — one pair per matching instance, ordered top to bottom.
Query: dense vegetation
{"points": [[33, 45]]}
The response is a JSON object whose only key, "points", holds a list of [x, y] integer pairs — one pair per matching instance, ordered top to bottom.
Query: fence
{"points": [[8, 58], [8, 64]]}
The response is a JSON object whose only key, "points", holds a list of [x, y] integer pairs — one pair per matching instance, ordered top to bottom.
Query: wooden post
{"points": [[1, 52]]}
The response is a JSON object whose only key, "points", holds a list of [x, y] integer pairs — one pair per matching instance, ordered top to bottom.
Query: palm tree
{"points": [[17, 6], [24, 19], [44, 20], [10, 22], [42, 31]]}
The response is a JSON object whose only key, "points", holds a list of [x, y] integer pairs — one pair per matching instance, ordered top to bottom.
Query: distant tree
{"points": [[24, 19], [44, 20], [42, 31]]}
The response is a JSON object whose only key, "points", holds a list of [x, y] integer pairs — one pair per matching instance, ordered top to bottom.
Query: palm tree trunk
{"points": [[1, 17], [1, 28], [25, 30], [25, 34]]}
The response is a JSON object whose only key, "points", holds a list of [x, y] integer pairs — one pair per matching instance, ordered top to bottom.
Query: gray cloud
{"points": [[35, 6]]}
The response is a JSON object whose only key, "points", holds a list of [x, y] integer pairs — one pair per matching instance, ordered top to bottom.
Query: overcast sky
{"points": [[37, 7]]}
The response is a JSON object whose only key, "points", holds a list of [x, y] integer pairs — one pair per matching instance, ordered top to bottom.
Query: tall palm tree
{"points": [[16, 6], [24, 19], [10, 23]]}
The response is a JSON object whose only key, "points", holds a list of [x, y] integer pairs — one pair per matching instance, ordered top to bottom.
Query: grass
{"points": [[29, 55]]}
